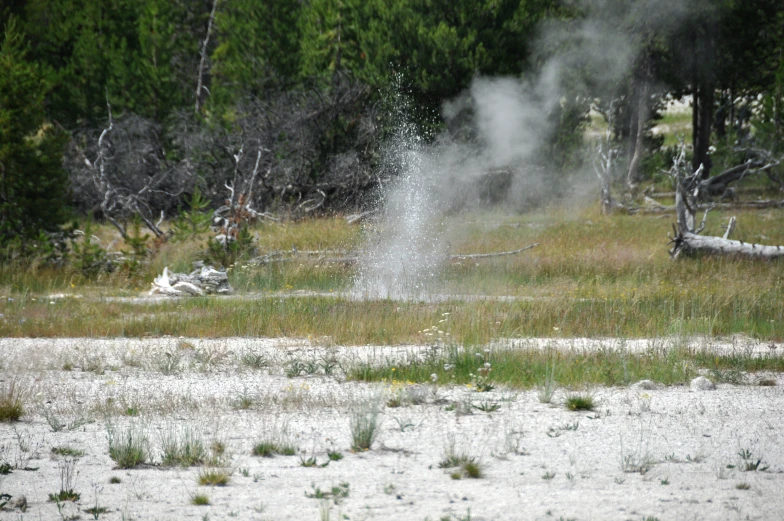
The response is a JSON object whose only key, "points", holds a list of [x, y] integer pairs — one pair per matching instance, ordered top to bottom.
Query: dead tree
{"points": [[203, 57], [603, 166], [129, 175], [689, 189]]}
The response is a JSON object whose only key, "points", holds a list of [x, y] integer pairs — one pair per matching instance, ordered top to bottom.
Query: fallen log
{"points": [[686, 239], [690, 243]]}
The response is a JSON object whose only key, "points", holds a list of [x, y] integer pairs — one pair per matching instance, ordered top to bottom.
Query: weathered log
{"points": [[690, 243]]}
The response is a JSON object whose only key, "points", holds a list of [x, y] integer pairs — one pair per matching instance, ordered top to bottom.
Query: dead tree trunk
{"points": [[686, 239]]}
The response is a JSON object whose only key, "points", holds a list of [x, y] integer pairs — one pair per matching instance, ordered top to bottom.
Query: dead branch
{"points": [[203, 59], [359, 217], [488, 255]]}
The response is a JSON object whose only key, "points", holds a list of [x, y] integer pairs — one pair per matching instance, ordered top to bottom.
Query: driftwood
{"points": [[359, 217], [686, 238], [203, 281]]}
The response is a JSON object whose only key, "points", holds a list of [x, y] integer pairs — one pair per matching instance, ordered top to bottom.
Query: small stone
{"points": [[702, 384], [645, 385], [20, 503]]}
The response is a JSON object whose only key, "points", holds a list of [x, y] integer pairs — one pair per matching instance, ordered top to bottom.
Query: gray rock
{"points": [[702, 384], [645, 385]]}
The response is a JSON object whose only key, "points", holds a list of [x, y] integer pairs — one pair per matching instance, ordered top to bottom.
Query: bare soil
{"points": [[668, 453]]}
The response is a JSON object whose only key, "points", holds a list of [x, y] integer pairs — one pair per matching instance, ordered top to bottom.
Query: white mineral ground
{"points": [[691, 439]]}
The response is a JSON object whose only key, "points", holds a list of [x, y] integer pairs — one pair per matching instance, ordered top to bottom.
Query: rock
{"points": [[702, 384], [645, 385], [20, 503]]}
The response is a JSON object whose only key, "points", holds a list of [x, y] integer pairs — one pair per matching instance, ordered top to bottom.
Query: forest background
{"points": [[128, 111]]}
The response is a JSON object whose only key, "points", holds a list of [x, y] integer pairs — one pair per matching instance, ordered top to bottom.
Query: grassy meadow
{"points": [[590, 276]]}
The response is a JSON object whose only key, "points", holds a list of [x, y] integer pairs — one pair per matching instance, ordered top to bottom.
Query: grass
{"points": [[592, 275], [526, 368], [11, 401], [579, 402], [364, 425], [275, 441], [182, 446], [129, 447], [67, 451], [465, 465], [214, 476], [200, 500]]}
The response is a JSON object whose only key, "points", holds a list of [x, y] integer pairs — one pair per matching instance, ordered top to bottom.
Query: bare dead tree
{"points": [[203, 56], [130, 175], [686, 239]]}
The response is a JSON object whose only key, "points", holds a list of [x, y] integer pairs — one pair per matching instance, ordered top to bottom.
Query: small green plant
{"points": [[194, 221], [226, 253], [88, 258], [254, 361], [481, 380], [11, 401], [244, 401], [579, 402], [487, 407], [364, 425], [129, 447], [67, 451], [334, 455], [312, 462], [748, 464], [467, 466], [68, 473], [214, 476], [547, 476], [114, 480], [665, 481], [743, 486], [337, 493], [64, 495], [200, 500], [97, 510]]}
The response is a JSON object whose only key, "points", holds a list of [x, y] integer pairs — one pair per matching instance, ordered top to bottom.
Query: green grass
{"points": [[525, 368], [11, 401], [579, 402], [182, 446], [129, 447], [67, 451], [214, 476], [200, 500]]}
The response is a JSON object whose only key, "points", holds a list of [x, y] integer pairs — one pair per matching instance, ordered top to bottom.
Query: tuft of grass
{"points": [[11, 401], [579, 402], [364, 425], [182, 446], [129, 447], [268, 448], [67, 451], [334, 455], [467, 466], [214, 476], [114, 480], [743, 486], [336, 493], [64, 495], [200, 500]]}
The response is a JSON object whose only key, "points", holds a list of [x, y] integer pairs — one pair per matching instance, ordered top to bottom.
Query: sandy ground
{"points": [[539, 461]]}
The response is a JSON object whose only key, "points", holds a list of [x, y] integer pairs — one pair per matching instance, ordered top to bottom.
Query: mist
{"points": [[493, 151]]}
